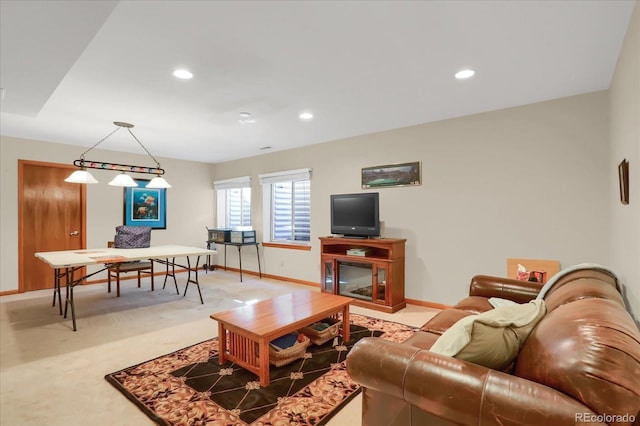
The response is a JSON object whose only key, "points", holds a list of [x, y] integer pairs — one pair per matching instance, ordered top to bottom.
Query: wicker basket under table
{"points": [[320, 337], [290, 354]]}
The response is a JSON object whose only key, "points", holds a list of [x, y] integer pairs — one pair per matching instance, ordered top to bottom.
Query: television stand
{"points": [[369, 270]]}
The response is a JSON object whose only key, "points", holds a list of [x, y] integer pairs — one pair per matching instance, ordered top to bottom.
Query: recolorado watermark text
{"points": [[604, 418]]}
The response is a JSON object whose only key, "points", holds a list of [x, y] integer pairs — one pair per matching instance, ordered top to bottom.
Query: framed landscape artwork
{"points": [[405, 174], [145, 206]]}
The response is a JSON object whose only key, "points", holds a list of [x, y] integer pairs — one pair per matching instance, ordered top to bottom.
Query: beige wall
{"points": [[624, 95], [536, 181], [531, 182], [189, 201]]}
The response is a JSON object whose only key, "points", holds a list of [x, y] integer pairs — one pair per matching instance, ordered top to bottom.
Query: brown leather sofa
{"points": [[579, 365]]}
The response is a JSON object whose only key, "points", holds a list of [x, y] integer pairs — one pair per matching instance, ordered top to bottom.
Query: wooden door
{"points": [[51, 217]]}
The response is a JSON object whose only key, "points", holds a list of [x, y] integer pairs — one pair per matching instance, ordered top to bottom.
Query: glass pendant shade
{"points": [[81, 176], [123, 179], [158, 182]]}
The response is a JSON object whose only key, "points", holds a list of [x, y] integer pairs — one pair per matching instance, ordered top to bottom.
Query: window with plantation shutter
{"points": [[288, 199], [233, 201], [238, 211], [291, 211]]}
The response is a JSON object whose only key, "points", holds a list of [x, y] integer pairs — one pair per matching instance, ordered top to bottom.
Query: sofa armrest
{"points": [[504, 288], [455, 390]]}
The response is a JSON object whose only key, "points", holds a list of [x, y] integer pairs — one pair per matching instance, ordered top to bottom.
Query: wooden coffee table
{"points": [[250, 328]]}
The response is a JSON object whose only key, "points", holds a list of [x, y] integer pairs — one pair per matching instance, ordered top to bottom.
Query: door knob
{"points": [[74, 234]]}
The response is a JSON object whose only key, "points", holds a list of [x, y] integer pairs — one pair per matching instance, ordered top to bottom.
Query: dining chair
{"points": [[141, 267]]}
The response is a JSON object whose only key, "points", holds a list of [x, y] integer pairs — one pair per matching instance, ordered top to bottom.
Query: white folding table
{"points": [[66, 262]]}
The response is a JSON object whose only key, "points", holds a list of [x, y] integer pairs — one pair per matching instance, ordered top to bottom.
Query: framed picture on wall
{"points": [[405, 174], [623, 178], [145, 206]]}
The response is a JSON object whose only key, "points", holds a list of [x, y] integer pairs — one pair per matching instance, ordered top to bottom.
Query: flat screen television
{"points": [[355, 215]]}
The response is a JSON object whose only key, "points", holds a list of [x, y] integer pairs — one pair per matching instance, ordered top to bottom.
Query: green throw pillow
{"points": [[493, 338]]}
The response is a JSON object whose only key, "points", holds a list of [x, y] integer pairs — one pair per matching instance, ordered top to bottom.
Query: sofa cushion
{"points": [[581, 270], [474, 304], [444, 320], [493, 338], [422, 339], [590, 350]]}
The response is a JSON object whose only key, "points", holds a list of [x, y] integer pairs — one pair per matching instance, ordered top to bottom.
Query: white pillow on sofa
{"points": [[497, 302], [493, 338]]}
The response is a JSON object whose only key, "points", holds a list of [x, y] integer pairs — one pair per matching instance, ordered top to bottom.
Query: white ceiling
{"points": [[71, 68]]}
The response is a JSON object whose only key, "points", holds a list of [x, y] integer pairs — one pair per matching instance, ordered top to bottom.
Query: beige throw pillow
{"points": [[493, 338]]}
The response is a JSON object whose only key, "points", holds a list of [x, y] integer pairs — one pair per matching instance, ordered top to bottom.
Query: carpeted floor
{"points": [[51, 375], [189, 386]]}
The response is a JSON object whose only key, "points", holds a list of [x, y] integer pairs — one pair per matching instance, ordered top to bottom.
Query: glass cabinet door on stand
{"points": [[327, 277], [380, 284]]}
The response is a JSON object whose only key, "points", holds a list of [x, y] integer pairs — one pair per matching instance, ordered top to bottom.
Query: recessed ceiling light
{"points": [[183, 74], [462, 74], [306, 115], [246, 118]]}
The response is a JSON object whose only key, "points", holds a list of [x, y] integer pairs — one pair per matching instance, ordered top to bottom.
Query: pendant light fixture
{"points": [[81, 176], [122, 179], [158, 182]]}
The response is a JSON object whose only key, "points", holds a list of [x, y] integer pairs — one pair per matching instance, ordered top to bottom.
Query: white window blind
{"points": [[234, 183], [234, 202], [290, 205], [238, 209]]}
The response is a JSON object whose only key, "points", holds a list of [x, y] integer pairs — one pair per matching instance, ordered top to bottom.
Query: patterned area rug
{"points": [[189, 387]]}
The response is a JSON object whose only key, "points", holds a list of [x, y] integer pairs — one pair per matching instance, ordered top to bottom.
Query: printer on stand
{"points": [[219, 235], [243, 235]]}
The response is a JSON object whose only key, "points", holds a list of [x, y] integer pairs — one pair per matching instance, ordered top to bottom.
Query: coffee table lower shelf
{"points": [[244, 333]]}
